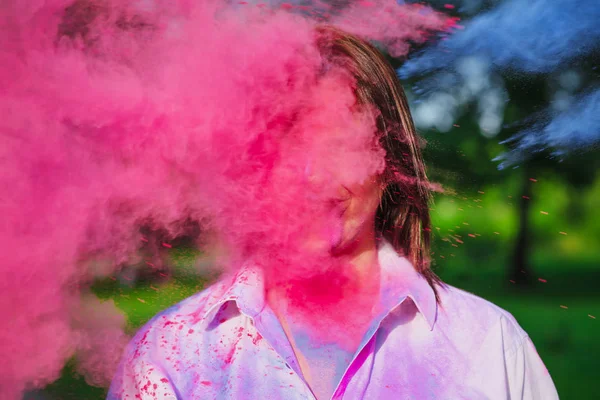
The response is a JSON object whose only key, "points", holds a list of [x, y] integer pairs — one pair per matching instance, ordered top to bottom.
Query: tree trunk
{"points": [[520, 272]]}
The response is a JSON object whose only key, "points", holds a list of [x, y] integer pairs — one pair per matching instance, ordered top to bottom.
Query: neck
{"points": [[362, 257], [351, 282], [329, 308]]}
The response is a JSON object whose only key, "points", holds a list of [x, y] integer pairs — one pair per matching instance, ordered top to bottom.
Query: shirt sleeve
{"points": [[138, 377], [528, 378], [141, 381]]}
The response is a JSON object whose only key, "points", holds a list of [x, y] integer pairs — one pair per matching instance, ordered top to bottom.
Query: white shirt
{"points": [[226, 343]]}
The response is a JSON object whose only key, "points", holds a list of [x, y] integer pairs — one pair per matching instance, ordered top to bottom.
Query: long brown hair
{"points": [[403, 214]]}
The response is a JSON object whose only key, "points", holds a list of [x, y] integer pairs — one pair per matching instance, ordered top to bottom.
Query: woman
{"points": [[406, 335]]}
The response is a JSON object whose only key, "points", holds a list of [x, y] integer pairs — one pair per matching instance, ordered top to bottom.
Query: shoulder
{"points": [[465, 314], [176, 325], [163, 346], [501, 356]]}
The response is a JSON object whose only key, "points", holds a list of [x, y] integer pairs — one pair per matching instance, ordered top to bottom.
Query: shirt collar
{"points": [[399, 280], [245, 288]]}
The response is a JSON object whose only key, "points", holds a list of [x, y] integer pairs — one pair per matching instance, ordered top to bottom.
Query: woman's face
{"points": [[350, 202], [355, 209], [349, 219]]}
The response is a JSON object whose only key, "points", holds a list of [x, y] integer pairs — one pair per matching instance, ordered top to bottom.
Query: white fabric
{"points": [[225, 343]]}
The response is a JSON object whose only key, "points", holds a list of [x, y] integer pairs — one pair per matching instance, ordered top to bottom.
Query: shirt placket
{"points": [[268, 326], [357, 376], [355, 379]]}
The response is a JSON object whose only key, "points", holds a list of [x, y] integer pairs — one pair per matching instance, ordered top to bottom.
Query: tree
{"points": [[536, 97]]}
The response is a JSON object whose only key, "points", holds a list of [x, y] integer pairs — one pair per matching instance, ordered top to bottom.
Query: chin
{"points": [[344, 245]]}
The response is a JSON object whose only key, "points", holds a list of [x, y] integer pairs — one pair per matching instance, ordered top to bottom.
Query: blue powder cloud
{"points": [[532, 37], [575, 129]]}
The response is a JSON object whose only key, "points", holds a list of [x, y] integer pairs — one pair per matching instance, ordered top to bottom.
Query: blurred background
{"points": [[509, 104]]}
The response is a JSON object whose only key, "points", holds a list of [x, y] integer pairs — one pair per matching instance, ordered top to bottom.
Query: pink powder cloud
{"points": [[156, 113]]}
